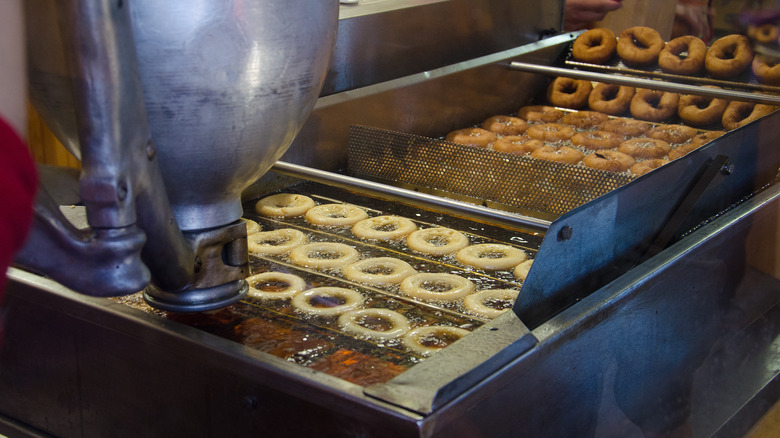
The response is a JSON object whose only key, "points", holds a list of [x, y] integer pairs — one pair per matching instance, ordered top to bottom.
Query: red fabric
{"points": [[18, 182]]}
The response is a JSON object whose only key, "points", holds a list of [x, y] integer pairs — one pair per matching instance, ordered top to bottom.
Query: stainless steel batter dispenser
{"points": [[174, 108]]}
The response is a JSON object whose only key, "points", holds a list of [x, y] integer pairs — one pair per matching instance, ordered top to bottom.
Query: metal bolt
{"points": [[150, 150], [727, 168], [121, 191], [565, 233], [249, 402]]}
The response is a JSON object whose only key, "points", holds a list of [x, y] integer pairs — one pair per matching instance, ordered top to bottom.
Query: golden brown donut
{"points": [[764, 33], [639, 45], [595, 46], [728, 56], [672, 60], [766, 70], [569, 93], [610, 98], [652, 105], [701, 110], [539, 113], [741, 113], [584, 119], [505, 125], [625, 127], [551, 132], [672, 133], [477, 137], [706, 137], [597, 140], [517, 144], [644, 147], [683, 150], [564, 154], [611, 161], [645, 166]]}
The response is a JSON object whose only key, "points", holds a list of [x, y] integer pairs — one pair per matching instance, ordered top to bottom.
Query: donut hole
{"points": [[639, 44], [569, 88], [610, 93], [654, 100], [385, 228], [275, 241], [324, 254], [492, 255], [378, 270], [271, 285], [436, 286], [326, 301], [497, 303], [377, 323], [438, 339]]}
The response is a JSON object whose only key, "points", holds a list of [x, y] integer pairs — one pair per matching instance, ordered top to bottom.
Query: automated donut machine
{"points": [[650, 304]]}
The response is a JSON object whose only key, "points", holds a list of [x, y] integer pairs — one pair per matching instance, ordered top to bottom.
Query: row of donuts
{"points": [[726, 58], [653, 105], [589, 138], [434, 241], [391, 272], [347, 307]]}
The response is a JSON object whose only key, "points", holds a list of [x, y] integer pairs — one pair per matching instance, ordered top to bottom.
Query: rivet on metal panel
{"points": [[150, 150], [728, 168], [565, 233], [249, 402]]}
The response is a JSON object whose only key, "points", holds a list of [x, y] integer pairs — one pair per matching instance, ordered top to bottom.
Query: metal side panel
{"points": [[380, 40], [593, 244]]}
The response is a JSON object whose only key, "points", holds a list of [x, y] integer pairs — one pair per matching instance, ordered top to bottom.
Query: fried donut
{"points": [[765, 33], [639, 45], [595, 46], [728, 56], [672, 60], [766, 70], [569, 93], [610, 98], [653, 105], [701, 110], [539, 113], [741, 113], [584, 119], [505, 125], [625, 127], [551, 132], [672, 133], [476, 137], [706, 137], [597, 140], [517, 144], [644, 147], [683, 150], [563, 154], [611, 161], [645, 166], [284, 205], [335, 215], [252, 227], [383, 228], [437, 241], [275, 242], [323, 255], [491, 256], [521, 270], [379, 271], [275, 285], [431, 286], [327, 301], [490, 303], [374, 323], [429, 339]]}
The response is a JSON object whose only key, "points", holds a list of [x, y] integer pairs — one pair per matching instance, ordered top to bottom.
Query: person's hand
{"points": [[579, 14]]}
